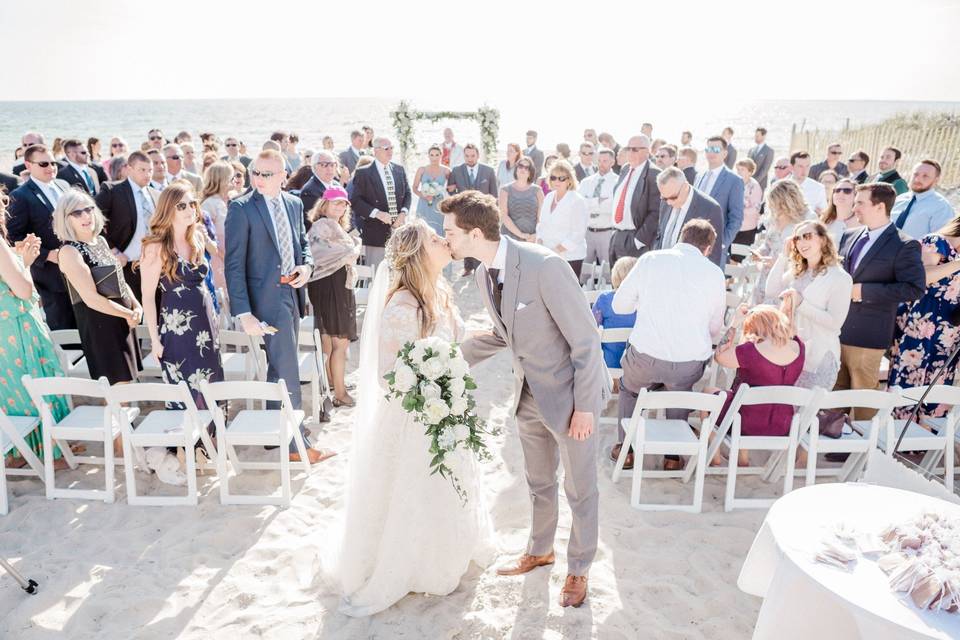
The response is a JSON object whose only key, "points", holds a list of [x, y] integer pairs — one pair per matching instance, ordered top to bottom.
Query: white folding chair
{"points": [[740, 250], [361, 292], [591, 295], [223, 299], [243, 359], [72, 361], [150, 366], [313, 370], [86, 423], [255, 427], [161, 428], [13, 433], [729, 434], [652, 436], [936, 439], [857, 442]]}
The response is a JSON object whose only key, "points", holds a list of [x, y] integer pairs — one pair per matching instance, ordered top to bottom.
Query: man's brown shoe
{"points": [[615, 455], [525, 564], [574, 591]]}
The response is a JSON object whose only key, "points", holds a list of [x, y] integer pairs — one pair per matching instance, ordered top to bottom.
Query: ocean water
{"points": [[254, 119]]}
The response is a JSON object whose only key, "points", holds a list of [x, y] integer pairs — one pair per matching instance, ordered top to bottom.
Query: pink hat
{"points": [[335, 193]]}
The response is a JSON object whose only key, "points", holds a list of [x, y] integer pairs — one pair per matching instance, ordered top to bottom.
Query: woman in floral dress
{"points": [[184, 333], [925, 335]]}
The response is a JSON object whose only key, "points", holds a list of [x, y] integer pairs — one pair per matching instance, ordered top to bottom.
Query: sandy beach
{"points": [[117, 571]]}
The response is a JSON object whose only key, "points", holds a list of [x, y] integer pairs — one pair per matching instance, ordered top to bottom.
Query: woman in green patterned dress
{"points": [[25, 345]]}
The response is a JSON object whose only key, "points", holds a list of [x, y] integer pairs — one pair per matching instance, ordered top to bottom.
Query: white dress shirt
{"points": [[456, 154], [382, 170], [84, 172], [707, 179], [630, 186], [50, 191], [813, 193], [600, 208], [677, 216], [566, 225], [872, 235], [132, 250], [500, 259], [683, 300]]}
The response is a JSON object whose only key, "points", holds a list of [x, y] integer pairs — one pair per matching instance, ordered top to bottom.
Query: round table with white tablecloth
{"points": [[808, 599]]}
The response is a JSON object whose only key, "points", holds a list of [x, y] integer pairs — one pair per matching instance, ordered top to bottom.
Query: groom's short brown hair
{"points": [[474, 210]]}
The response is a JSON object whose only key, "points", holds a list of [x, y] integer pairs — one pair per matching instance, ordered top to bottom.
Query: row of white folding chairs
{"points": [[118, 415], [651, 436]]}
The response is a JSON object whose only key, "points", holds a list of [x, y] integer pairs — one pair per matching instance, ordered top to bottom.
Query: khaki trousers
{"points": [[859, 369]]}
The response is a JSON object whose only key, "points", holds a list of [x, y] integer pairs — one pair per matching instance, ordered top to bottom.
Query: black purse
{"points": [[107, 280]]}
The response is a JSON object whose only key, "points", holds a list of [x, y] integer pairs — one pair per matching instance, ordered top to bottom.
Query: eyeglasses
{"points": [[156, 138], [230, 144], [118, 145], [387, 148], [636, 148], [713, 149], [81, 153], [586, 153], [836, 153], [661, 156], [173, 157], [852, 160], [43, 163], [326, 164], [782, 167], [263, 174], [238, 176], [558, 178], [843, 190], [674, 196], [182, 206], [76, 213], [808, 235]]}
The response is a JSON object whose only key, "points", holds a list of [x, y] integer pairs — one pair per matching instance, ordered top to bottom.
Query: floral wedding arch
{"points": [[404, 118]]}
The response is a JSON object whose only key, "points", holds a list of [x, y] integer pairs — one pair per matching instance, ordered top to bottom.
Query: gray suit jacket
{"points": [[731, 156], [763, 156], [537, 157], [348, 159], [486, 181], [702, 206], [548, 325]]}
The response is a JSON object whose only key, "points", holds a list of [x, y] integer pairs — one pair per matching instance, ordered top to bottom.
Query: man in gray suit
{"points": [[533, 153], [350, 155], [762, 155], [472, 175], [681, 203], [267, 263], [540, 314]]}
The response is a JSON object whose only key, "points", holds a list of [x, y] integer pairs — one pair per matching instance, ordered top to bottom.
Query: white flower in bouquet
{"points": [[434, 343], [418, 353], [458, 367], [433, 368], [405, 378], [457, 387], [430, 390], [459, 406], [435, 410], [461, 432], [447, 439]]}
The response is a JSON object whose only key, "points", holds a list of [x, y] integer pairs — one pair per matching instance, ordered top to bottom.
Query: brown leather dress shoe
{"points": [[615, 454], [525, 564], [574, 591]]}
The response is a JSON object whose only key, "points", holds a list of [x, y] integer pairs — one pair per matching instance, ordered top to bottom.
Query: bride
{"points": [[404, 529]]}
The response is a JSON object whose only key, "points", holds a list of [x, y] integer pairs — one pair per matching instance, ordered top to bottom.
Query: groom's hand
{"points": [[581, 425]]}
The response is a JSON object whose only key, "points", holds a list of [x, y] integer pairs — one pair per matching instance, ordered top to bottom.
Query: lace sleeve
{"points": [[398, 325]]}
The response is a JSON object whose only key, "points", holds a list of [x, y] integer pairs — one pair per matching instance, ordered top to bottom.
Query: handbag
{"points": [[106, 278], [832, 422]]}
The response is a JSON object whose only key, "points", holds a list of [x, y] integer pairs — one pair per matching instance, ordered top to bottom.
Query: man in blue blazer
{"points": [[724, 186], [267, 263], [887, 269]]}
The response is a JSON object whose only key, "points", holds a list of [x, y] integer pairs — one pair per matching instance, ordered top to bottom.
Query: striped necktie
{"points": [[391, 190], [284, 236]]}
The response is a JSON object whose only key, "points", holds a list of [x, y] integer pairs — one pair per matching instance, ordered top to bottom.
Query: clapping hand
{"points": [[28, 249], [741, 314]]}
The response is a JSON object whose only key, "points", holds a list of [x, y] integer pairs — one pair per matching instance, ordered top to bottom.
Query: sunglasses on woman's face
{"points": [[238, 176], [558, 178], [843, 189], [182, 206], [76, 213], [808, 236]]}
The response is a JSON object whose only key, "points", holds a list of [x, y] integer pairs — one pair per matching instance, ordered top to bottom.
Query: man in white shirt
{"points": [[173, 155], [158, 179], [597, 190], [813, 191], [636, 202], [684, 299]]}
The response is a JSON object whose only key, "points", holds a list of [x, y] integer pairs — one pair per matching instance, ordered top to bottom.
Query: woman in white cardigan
{"points": [[563, 217], [808, 277]]}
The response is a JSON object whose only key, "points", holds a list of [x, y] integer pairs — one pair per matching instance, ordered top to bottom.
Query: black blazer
{"points": [[100, 171], [581, 173], [690, 173], [73, 177], [8, 182], [309, 194], [369, 194], [116, 201], [644, 205], [701, 206], [31, 212], [889, 273]]}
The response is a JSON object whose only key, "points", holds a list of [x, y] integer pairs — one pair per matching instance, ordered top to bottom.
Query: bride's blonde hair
{"points": [[406, 255]]}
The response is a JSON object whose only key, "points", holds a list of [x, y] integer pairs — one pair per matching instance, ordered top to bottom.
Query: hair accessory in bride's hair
{"points": [[405, 243]]}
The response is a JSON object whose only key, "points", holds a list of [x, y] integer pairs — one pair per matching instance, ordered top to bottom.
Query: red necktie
{"points": [[618, 216]]}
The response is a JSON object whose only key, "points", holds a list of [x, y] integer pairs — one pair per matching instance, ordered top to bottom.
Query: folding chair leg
{"points": [[301, 449], [622, 458], [191, 460], [108, 465], [222, 465], [790, 467], [128, 471], [701, 473], [732, 473], [285, 474], [48, 475], [637, 475], [811, 477], [4, 504]]}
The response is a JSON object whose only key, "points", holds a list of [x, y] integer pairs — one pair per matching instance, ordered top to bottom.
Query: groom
{"points": [[540, 313]]}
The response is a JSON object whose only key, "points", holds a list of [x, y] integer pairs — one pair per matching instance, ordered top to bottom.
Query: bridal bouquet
{"points": [[431, 189], [433, 380]]}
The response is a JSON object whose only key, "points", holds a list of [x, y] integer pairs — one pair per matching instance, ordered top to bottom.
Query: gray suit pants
{"points": [[598, 250], [282, 356], [543, 450]]}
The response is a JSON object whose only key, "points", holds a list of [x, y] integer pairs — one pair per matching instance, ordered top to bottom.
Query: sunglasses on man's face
{"points": [[156, 138], [231, 144], [117, 145], [387, 148], [636, 148], [713, 149], [836, 153], [173, 157], [43, 163], [326, 164], [782, 167], [263, 174], [558, 178], [847, 190], [182, 206], [76, 213]]}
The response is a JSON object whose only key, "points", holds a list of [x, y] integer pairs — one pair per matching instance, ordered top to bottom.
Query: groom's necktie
{"points": [[497, 289]]}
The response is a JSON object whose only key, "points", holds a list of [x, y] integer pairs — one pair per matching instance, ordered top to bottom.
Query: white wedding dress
{"points": [[404, 530]]}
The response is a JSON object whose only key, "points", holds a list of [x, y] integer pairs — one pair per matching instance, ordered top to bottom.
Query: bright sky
{"points": [[481, 50]]}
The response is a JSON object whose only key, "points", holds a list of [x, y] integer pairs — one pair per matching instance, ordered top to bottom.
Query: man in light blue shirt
{"points": [[922, 210]]}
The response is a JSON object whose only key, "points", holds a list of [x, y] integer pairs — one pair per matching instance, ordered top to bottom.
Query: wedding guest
{"points": [[646, 129], [590, 135], [183, 136], [367, 137], [686, 137], [29, 139], [155, 139], [607, 140], [282, 143], [327, 143], [232, 145], [118, 146], [655, 146], [57, 149], [290, 151], [563, 151], [453, 153], [535, 154], [762, 154], [173, 155], [350, 155], [666, 156], [190, 158], [209, 158], [889, 158], [95, 159], [731, 159], [364, 161], [687, 162], [832, 163], [158, 164], [857, 165], [585, 166], [506, 167], [116, 168], [781, 169], [76, 170], [472, 174], [323, 176], [240, 178], [828, 179], [8, 182], [295, 182], [542, 182], [218, 185], [430, 186], [724, 186], [597, 190], [813, 191], [752, 198], [381, 200], [636, 202], [520, 203], [681, 203], [31, 206], [127, 207], [787, 209], [922, 210], [838, 217], [562, 226], [887, 270], [331, 287], [815, 291], [684, 298], [106, 313], [608, 319], [183, 331], [926, 332], [27, 348], [768, 355]]}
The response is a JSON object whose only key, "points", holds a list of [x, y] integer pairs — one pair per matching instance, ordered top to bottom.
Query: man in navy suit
{"points": [[76, 171], [324, 176], [724, 186], [381, 200], [681, 203], [31, 211], [267, 263], [887, 269]]}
